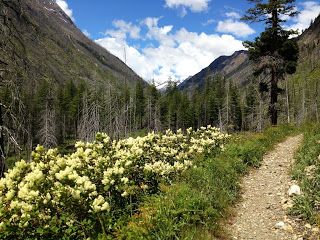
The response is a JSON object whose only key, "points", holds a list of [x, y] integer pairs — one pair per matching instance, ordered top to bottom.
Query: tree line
{"points": [[51, 114]]}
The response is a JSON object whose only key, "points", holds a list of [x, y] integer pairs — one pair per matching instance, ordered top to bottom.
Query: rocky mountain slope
{"points": [[39, 41], [235, 67]]}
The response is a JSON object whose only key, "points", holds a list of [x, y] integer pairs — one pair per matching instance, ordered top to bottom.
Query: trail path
{"points": [[264, 197]]}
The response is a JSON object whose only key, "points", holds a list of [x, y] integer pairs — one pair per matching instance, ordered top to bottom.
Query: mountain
{"points": [[312, 34], [41, 42], [235, 67], [238, 69], [56, 85], [304, 85], [298, 102]]}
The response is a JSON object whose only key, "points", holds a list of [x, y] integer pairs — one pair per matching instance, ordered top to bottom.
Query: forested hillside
{"points": [[236, 68], [51, 74], [60, 86], [303, 87], [299, 93]]}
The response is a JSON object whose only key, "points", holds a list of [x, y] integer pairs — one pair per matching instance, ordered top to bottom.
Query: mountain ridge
{"points": [[54, 48], [235, 66], [239, 70]]}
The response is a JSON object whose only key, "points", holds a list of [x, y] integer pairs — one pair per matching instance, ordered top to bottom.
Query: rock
{"points": [[294, 190], [287, 206], [280, 225], [308, 226], [288, 228], [315, 230]]}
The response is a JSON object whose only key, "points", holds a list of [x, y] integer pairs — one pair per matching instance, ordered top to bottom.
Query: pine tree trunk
{"points": [[259, 128], [2, 158]]}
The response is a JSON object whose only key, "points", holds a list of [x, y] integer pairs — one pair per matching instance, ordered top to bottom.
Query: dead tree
{"points": [[89, 123], [47, 133], [2, 157]]}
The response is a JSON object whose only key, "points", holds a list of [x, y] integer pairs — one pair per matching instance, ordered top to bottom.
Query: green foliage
{"points": [[307, 171], [193, 206]]}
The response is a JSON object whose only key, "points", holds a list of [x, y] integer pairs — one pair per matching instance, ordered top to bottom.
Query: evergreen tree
{"points": [[274, 53], [173, 95], [153, 108]]}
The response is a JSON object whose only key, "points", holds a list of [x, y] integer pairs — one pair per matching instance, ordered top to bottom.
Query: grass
{"points": [[307, 172], [195, 204]]}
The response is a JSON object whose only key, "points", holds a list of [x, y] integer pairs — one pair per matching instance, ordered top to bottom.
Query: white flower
{"points": [[125, 180], [124, 194]]}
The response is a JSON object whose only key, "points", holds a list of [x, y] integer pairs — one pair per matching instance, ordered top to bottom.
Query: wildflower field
{"points": [[90, 193]]}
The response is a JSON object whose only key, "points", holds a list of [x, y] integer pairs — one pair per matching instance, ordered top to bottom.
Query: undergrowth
{"points": [[307, 172], [194, 205]]}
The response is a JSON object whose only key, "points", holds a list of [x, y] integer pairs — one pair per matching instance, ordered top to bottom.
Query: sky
{"points": [[162, 39]]}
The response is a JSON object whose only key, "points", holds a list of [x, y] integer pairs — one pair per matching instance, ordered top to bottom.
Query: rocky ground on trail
{"points": [[267, 193]]}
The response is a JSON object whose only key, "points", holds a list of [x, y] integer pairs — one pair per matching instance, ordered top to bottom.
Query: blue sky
{"points": [[171, 38]]}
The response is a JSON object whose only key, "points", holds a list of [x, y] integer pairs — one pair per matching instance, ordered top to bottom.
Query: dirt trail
{"points": [[264, 191]]}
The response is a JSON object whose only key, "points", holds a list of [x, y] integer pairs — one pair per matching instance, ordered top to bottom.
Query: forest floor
{"points": [[262, 213]]}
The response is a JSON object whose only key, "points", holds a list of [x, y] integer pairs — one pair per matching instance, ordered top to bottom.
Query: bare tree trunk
{"points": [[316, 103], [288, 104], [303, 104], [227, 107], [220, 121], [48, 127], [259, 127], [2, 157]]}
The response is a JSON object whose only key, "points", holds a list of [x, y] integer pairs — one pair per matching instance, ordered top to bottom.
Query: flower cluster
{"points": [[97, 180]]}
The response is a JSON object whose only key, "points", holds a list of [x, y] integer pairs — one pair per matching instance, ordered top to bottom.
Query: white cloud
{"points": [[193, 5], [64, 6], [183, 12], [309, 12], [233, 15], [208, 22], [234, 27], [124, 29], [86, 32], [160, 34], [178, 54]]}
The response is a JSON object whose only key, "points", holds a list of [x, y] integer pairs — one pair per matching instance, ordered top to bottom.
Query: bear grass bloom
{"points": [[98, 178]]}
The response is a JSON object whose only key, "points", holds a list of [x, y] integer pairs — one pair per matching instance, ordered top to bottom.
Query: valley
{"points": [[91, 150]]}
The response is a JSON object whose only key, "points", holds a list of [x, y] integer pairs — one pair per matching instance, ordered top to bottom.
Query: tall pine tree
{"points": [[274, 53]]}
